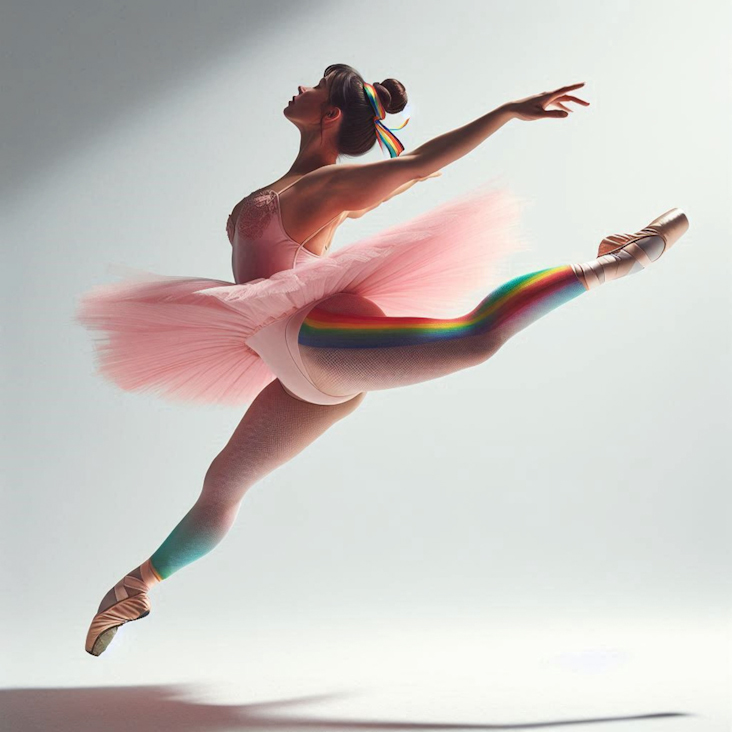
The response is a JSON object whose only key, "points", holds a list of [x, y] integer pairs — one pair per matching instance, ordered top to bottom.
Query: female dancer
{"points": [[302, 336]]}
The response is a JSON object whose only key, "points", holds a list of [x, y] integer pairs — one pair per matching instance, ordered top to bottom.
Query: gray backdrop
{"points": [[544, 538]]}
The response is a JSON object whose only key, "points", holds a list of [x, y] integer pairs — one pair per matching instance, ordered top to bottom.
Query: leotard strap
{"points": [[289, 185]]}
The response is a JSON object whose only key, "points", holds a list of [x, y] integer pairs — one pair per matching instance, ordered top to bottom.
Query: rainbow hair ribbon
{"points": [[387, 139]]}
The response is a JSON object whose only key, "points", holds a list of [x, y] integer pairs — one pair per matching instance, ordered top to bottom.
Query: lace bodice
{"points": [[254, 215], [260, 245]]}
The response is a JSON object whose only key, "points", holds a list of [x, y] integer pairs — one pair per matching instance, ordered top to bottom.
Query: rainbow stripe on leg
{"points": [[512, 306]]}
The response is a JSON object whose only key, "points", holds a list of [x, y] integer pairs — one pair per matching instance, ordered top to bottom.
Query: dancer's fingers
{"points": [[563, 90], [569, 98]]}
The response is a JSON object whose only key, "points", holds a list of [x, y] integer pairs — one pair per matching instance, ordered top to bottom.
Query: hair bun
{"points": [[392, 95]]}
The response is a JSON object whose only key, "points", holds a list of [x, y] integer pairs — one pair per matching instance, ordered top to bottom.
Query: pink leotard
{"points": [[260, 244], [262, 247]]}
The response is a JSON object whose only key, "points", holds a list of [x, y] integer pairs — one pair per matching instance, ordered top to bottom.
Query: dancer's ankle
{"points": [[627, 259], [579, 273], [149, 575]]}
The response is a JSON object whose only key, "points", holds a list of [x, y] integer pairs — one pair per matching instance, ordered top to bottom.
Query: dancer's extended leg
{"points": [[346, 352], [351, 353], [275, 428]]}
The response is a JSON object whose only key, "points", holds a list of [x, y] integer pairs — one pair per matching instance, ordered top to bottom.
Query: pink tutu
{"points": [[186, 337]]}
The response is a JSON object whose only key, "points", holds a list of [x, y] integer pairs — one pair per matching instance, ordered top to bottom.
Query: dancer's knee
{"points": [[487, 344], [221, 484]]}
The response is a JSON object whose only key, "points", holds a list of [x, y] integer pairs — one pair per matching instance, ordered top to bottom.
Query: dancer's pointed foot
{"points": [[622, 254], [125, 602]]}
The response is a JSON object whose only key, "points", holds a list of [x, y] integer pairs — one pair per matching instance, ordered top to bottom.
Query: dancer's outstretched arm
{"points": [[358, 186], [331, 190]]}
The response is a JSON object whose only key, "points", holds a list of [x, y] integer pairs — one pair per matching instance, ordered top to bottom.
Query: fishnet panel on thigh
{"points": [[340, 371]]}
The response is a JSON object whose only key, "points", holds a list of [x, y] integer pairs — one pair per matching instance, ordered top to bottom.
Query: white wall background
{"points": [[541, 538]]}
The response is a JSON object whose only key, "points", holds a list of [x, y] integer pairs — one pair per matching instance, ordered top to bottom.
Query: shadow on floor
{"points": [[166, 709]]}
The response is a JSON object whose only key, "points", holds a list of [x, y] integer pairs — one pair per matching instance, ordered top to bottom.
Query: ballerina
{"points": [[300, 336]]}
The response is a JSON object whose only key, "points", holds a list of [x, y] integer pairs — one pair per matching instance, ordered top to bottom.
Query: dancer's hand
{"points": [[534, 107]]}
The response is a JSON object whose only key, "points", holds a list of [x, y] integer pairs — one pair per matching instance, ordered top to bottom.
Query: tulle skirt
{"points": [[185, 338]]}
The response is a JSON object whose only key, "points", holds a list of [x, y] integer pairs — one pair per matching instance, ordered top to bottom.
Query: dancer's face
{"points": [[307, 106]]}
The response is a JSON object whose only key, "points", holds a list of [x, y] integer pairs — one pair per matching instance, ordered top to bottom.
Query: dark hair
{"points": [[357, 134]]}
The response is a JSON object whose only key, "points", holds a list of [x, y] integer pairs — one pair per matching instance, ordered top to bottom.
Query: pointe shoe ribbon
{"points": [[670, 226], [616, 242], [621, 254]]}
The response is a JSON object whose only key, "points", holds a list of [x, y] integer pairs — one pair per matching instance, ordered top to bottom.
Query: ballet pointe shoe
{"points": [[622, 254], [128, 607]]}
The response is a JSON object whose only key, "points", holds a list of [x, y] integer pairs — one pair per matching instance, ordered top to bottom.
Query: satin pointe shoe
{"points": [[622, 254], [127, 608]]}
